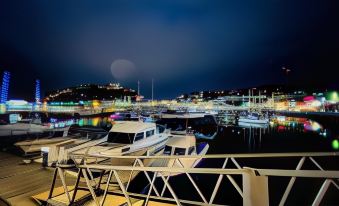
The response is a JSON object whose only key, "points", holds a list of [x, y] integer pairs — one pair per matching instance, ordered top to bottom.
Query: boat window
{"points": [[160, 129], [149, 133], [139, 136], [122, 138], [168, 150], [190, 150], [179, 151]]}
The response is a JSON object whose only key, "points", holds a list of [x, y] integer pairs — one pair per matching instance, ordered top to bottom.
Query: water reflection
{"points": [[94, 121], [283, 123], [291, 128], [282, 134], [252, 136]]}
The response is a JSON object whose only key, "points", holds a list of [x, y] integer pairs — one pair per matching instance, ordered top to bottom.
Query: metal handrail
{"points": [[218, 156], [167, 169], [250, 173], [253, 178]]}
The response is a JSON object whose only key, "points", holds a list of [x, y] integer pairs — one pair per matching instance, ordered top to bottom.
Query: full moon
{"points": [[122, 69]]}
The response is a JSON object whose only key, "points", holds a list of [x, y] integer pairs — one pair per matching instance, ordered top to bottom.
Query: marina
{"points": [[169, 103], [235, 153]]}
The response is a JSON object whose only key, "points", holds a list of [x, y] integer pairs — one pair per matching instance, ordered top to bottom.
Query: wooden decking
{"points": [[19, 181], [29, 184], [111, 200]]}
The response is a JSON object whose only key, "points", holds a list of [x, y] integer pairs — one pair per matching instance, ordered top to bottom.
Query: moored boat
{"points": [[253, 118], [182, 145]]}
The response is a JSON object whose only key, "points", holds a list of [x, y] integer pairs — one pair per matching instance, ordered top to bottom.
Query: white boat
{"points": [[183, 115], [253, 118], [225, 119], [202, 125], [252, 125], [27, 126], [22, 127], [124, 138], [182, 145], [34, 146]]}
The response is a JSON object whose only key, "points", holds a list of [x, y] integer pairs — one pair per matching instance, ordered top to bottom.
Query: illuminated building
{"points": [[4, 87], [37, 91]]}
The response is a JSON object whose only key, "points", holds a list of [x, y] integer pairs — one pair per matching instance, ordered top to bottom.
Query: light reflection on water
{"points": [[94, 121], [296, 133], [282, 134]]}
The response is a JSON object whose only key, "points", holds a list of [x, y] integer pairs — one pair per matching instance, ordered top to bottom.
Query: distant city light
{"points": [[334, 97], [316, 103], [335, 144]]}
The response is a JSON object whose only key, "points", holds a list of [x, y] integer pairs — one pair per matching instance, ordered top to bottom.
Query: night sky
{"points": [[184, 45]]}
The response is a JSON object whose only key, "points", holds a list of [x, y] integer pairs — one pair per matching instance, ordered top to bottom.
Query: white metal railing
{"points": [[253, 179]]}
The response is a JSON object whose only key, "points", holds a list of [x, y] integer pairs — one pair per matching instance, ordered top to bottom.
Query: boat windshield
{"points": [[122, 138], [179, 151]]}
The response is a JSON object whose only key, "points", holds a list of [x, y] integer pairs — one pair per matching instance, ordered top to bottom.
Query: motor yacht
{"points": [[253, 118], [202, 125], [124, 138], [182, 145]]}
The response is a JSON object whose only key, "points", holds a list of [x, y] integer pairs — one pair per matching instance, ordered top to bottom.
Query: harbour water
{"points": [[283, 134]]}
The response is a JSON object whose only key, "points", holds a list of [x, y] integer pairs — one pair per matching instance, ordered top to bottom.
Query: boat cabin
{"points": [[129, 132], [180, 145]]}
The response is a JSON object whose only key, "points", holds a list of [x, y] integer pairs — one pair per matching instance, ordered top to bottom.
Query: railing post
{"points": [[63, 181], [53, 183], [291, 183], [76, 187], [255, 189], [321, 192]]}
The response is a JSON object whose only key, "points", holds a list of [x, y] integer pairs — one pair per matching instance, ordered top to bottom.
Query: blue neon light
{"points": [[4, 87], [37, 91]]}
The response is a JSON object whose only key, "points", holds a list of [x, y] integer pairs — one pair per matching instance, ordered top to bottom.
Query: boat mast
{"points": [[138, 88], [152, 89], [249, 100], [259, 101]]}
